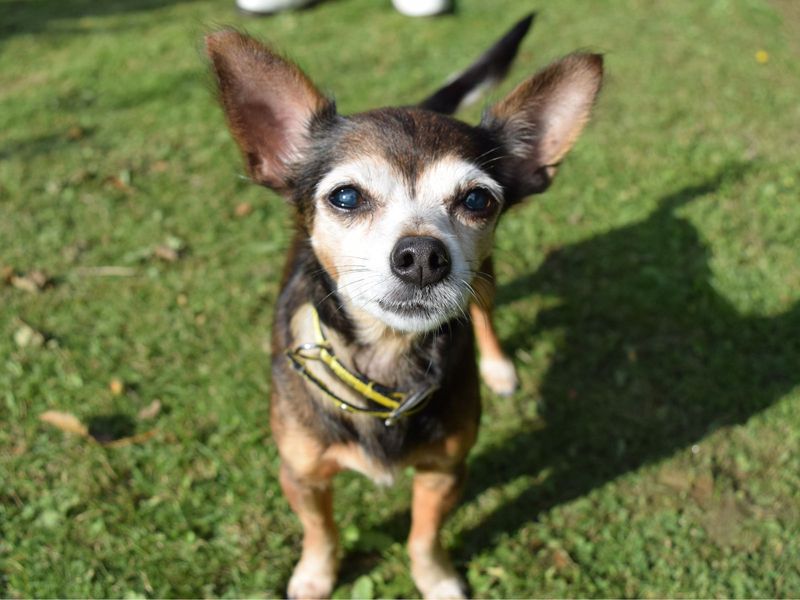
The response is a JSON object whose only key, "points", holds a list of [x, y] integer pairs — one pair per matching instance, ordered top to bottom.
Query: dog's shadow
{"points": [[652, 359]]}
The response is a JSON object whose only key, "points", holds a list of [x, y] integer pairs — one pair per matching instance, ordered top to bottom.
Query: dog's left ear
{"points": [[269, 103], [539, 121]]}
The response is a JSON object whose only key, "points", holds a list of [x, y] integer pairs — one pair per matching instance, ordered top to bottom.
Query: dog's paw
{"points": [[500, 375], [433, 573], [310, 583], [451, 588]]}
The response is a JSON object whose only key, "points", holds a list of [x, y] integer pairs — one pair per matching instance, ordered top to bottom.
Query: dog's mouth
{"points": [[408, 308], [411, 308], [423, 309]]}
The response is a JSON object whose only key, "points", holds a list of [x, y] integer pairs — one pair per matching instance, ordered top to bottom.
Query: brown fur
{"points": [[481, 313]]}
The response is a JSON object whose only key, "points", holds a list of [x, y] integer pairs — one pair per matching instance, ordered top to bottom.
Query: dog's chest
{"points": [[388, 360], [363, 442]]}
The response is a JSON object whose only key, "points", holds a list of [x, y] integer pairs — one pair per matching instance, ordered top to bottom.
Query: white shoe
{"points": [[265, 7], [422, 8]]}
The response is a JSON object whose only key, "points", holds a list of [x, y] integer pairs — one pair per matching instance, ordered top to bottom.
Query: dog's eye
{"points": [[346, 198], [477, 200]]}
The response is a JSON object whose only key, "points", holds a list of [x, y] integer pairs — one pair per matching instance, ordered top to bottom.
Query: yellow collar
{"points": [[396, 404]]}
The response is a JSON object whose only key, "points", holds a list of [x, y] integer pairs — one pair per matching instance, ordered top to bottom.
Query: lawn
{"points": [[651, 302]]}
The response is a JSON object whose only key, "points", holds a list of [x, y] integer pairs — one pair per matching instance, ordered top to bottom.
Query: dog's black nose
{"points": [[420, 260]]}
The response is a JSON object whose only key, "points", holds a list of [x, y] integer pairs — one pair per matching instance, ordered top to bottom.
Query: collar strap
{"points": [[399, 404]]}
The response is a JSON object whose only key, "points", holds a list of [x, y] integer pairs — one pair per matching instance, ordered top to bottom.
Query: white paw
{"points": [[499, 374], [310, 583], [446, 589]]}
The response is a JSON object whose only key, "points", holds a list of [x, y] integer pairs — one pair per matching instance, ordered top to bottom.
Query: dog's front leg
{"points": [[496, 368], [435, 494], [312, 501]]}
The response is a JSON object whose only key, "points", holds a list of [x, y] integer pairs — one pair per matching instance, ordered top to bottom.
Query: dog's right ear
{"points": [[269, 104]]}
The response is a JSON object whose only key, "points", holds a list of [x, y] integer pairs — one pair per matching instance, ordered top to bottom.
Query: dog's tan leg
{"points": [[496, 368], [435, 494], [315, 574]]}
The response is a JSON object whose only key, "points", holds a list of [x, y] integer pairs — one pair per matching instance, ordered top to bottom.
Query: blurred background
{"points": [[651, 302]]}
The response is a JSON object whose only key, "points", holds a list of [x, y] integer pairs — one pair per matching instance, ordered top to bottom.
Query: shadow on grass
{"points": [[34, 16], [653, 359]]}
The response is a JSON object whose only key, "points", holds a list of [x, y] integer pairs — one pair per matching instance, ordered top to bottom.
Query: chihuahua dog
{"points": [[388, 282]]}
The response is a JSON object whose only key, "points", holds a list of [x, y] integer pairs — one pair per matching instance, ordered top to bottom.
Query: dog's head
{"points": [[400, 205]]}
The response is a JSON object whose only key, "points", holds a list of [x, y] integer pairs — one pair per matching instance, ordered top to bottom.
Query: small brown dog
{"points": [[373, 360]]}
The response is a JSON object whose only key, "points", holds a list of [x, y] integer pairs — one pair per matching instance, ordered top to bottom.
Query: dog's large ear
{"points": [[268, 101], [539, 121]]}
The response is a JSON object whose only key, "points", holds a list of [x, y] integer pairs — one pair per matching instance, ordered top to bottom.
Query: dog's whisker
{"points": [[493, 159], [367, 282], [342, 287], [478, 297]]}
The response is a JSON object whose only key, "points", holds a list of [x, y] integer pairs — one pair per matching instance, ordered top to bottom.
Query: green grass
{"points": [[651, 301]]}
